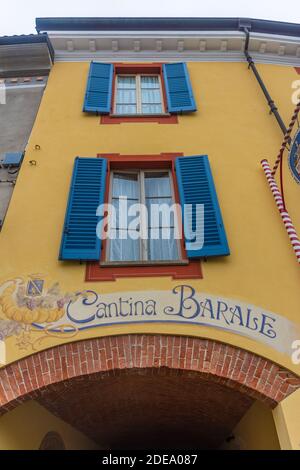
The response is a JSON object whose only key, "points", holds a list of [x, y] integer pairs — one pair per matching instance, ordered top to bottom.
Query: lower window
{"points": [[143, 225]]}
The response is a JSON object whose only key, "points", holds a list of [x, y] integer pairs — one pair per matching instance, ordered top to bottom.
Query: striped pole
{"points": [[286, 138], [283, 212]]}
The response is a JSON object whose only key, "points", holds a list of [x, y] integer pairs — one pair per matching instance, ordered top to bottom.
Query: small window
{"points": [[138, 95], [152, 235]]}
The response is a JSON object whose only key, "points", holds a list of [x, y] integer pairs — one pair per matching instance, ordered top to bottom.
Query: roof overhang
{"points": [[167, 24], [192, 39], [25, 55]]}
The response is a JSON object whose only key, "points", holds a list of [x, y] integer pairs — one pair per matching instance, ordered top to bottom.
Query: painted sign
{"points": [[294, 157], [27, 305]]}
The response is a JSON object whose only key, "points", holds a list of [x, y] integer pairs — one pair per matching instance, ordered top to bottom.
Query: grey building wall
{"points": [[25, 63], [17, 116]]}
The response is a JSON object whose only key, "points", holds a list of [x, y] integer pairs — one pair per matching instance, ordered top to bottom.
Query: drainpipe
{"points": [[273, 108]]}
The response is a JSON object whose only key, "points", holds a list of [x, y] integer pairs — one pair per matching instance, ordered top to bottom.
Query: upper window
{"points": [[139, 91], [138, 94]]}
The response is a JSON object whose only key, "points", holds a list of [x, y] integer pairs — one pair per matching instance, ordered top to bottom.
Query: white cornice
{"points": [[210, 46]]}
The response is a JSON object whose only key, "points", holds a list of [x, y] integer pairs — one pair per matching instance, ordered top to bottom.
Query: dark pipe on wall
{"points": [[273, 107]]}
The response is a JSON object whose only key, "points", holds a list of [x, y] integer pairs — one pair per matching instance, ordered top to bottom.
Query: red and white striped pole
{"points": [[286, 138], [283, 212]]}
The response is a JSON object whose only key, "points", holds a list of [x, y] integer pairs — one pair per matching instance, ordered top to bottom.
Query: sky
{"points": [[18, 16]]}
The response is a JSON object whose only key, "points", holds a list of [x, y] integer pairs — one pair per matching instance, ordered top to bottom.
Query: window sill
{"points": [[115, 115], [158, 118], [108, 272]]}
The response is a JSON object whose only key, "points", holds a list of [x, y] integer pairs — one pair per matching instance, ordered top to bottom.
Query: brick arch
{"points": [[227, 365]]}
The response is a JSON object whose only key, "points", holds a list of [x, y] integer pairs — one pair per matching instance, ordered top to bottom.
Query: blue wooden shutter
{"points": [[178, 87], [99, 88], [196, 186], [79, 239]]}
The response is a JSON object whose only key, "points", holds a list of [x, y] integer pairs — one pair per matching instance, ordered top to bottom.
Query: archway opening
{"points": [[147, 391], [144, 409]]}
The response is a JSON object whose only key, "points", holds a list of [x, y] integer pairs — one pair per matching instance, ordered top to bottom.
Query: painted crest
{"points": [[35, 287]]}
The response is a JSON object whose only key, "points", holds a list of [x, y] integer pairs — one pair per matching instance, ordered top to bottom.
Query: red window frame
{"points": [[133, 69], [96, 272]]}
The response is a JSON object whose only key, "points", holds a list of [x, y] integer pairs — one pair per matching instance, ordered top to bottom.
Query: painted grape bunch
{"points": [[19, 307]]}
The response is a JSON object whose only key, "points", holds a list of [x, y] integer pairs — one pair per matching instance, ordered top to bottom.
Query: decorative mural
{"points": [[26, 303]]}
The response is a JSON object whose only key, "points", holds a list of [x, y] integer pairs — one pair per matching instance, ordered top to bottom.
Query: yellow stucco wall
{"points": [[233, 126], [287, 420], [25, 427], [255, 431]]}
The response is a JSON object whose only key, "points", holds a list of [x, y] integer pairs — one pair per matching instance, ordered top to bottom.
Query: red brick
{"points": [[233, 367]]}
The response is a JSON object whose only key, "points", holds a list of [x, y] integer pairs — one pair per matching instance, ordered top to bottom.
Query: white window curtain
{"points": [[138, 94], [151, 95], [126, 102], [149, 188], [161, 242], [122, 245]]}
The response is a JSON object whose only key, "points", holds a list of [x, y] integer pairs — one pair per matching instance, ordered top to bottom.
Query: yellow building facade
{"points": [[207, 343]]}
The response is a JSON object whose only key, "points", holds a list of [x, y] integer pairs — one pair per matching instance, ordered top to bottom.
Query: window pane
{"points": [[126, 82], [150, 82], [126, 97], [151, 97], [125, 109], [151, 109], [125, 184], [157, 184], [158, 192], [125, 193], [159, 214], [121, 219], [123, 247], [160, 248]]}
